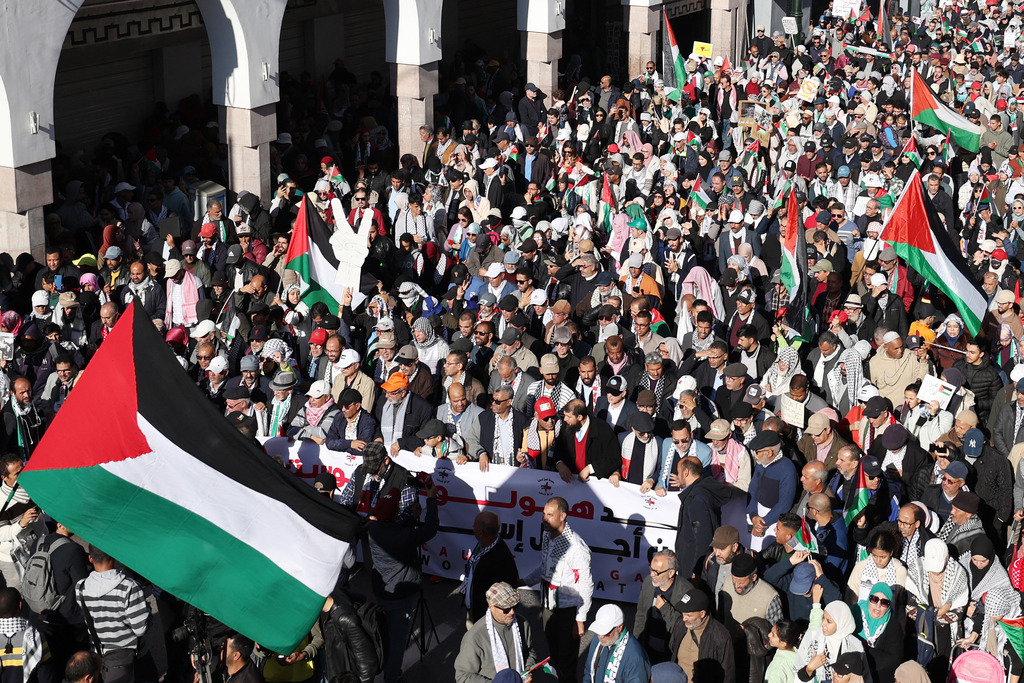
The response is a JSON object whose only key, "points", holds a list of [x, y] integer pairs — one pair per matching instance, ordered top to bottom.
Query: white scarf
{"points": [[498, 653]]}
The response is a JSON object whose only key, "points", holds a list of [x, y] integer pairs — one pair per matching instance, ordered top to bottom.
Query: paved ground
{"points": [[444, 607]]}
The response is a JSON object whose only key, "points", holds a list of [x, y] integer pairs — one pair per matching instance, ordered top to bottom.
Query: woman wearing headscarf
{"points": [[477, 205], [137, 229], [950, 338], [432, 348], [1004, 350], [785, 368], [844, 381], [992, 598], [830, 633], [882, 633], [911, 672]]}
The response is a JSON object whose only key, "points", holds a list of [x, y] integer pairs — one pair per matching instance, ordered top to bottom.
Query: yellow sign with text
{"points": [[702, 49]]}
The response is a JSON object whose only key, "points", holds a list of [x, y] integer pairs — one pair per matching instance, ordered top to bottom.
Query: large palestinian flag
{"points": [[673, 66], [927, 109], [917, 234], [311, 255], [794, 270], [141, 465]]}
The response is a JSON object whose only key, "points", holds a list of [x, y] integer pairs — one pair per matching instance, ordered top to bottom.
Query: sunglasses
{"points": [[875, 600], [505, 610]]}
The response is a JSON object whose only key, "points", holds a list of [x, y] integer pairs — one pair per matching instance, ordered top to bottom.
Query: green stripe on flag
{"points": [[311, 289], [288, 605]]}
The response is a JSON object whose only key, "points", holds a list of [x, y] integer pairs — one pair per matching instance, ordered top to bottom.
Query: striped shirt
{"points": [[117, 608]]}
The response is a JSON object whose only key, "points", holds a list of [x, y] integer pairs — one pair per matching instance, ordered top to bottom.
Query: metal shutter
{"points": [[365, 39], [95, 94]]}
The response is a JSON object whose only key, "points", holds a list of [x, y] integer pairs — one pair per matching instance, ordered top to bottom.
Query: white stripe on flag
{"points": [[268, 526]]}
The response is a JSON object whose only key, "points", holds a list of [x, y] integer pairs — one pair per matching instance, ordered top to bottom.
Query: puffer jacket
{"points": [[984, 381]]}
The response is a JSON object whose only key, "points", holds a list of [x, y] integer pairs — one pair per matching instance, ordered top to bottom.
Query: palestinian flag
{"points": [[865, 15], [977, 46], [867, 51], [673, 65], [926, 108], [783, 128], [693, 140], [947, 149], [910, 151], [150, 160], [334, 175], [552, 183], [581, 184], [698, 195], [782, 195], [887, 200], [606, 207], [931, 252], [311, 255], [794, 269], [161, 481], [861, 495], [805, 539], [1014, 630]]}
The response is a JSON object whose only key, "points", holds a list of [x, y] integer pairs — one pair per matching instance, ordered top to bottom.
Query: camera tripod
{"points": [[423, 626]]}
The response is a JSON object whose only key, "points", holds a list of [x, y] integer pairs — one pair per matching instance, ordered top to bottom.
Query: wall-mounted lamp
{"points": [[559, 9], [432, 36], [266, 71], [33, 123]]}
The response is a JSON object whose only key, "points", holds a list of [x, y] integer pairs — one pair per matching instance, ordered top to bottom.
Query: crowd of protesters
{"points": [[587, 281]]}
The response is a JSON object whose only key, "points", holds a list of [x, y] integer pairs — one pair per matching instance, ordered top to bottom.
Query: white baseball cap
{"points": [[878, 280], [539, 297], [202, 329], [348, 358], [218, 365], [320, 387], [607, 618]]}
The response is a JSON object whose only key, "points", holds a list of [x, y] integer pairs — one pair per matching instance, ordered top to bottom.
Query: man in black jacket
{"points": [[980, 376], [586, 447], [697, 517], [491, 562], [396, 576]]}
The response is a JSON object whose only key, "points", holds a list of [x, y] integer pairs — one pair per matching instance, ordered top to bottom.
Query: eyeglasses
{"points": [[360, 199], [837, 215], [522, 282], [479, 332], [198, 357], [499, 401], [681, 441], [900, 522], [655, 572], [875, 600], [505, 610]]}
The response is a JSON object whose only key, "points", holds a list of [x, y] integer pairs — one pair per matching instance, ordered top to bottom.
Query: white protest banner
{"points": [[842, 9], [622, 526]]}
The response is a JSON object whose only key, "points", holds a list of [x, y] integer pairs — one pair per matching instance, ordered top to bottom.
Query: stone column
{"points": [[541, 22], [642, 23], [726, 34], [541, 52], [415, 87], [248, 134], [24, 191]]}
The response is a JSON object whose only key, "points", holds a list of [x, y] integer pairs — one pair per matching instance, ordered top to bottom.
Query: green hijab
{"points": [[872, 628]]}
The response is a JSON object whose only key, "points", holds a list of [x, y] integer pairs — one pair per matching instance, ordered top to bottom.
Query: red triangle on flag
{"points": [[908, 223], [113, 367]]}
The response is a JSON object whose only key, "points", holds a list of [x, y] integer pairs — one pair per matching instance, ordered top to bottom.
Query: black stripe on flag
{"points": [[319, 233], [175, 406]]}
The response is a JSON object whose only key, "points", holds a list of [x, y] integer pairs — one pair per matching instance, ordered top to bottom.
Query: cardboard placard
{"points": [[790, 26], [702, 49], [809, 89], [170, 226], [791, 411]]}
